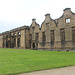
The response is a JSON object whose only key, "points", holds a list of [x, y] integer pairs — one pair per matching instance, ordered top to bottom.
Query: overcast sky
{"points": [[16, 13]]}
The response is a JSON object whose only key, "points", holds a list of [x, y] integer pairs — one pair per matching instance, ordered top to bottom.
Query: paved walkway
{"points": [[59, 71]]}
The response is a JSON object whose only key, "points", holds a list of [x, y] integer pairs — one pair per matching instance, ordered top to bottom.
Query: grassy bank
{"points": [[14, 61]]}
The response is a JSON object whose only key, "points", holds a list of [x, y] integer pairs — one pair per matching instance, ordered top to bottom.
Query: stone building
{"points": [[58, 34], [16, 38]]}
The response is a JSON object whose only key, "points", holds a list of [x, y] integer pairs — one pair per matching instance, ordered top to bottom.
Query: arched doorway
{"points": [[33, 45]]}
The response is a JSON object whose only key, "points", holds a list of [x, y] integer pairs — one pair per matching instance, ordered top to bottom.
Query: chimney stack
{"points": [[47, 17], [33, 19]]}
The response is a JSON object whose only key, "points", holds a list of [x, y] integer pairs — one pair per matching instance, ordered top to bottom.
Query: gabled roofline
{"points": [[67, 9]]}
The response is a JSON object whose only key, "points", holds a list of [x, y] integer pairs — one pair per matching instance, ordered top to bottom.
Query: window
{"points": [[67, 20], [33, 28], [19, 33], [14, 34], [73, 34], [62, 35], [37, 36], [30, 37], [43, 37], [52, 37], [18, 42]]}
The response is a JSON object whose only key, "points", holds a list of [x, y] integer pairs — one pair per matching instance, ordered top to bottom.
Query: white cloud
{"points": [[15, 13]]}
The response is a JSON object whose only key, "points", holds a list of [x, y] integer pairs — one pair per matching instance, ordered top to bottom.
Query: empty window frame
{"points": [[67, 20], [19, 33], [14, 34], [62, 34], [73, 34], [37, 36], [30, 37], [43, 37], [52, 37], [18, 42]]}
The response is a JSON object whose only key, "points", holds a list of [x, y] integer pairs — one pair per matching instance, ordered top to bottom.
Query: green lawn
{"points": [[14, 61]]}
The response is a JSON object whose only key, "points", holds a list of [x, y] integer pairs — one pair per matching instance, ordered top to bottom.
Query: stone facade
{"points": [[58, 34], [16, 38]]}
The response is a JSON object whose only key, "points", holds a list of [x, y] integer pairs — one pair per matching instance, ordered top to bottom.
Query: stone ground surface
{"points": [[59, 71]]}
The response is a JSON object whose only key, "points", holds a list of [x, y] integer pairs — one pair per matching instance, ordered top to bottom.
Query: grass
{"points": [[15, 61]]}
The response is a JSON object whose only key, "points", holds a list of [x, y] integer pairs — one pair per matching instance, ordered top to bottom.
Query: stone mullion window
{"points": [[67, 20], [62, 34], [73, 34], [30, 36], [37, 36], [43, 37], [52, 37]]}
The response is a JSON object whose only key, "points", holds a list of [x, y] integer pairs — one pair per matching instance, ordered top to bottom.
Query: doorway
{"points": [[33, 45]]}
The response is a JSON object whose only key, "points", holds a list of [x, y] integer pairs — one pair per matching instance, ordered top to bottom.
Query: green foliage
{"points": [[14, 61]]}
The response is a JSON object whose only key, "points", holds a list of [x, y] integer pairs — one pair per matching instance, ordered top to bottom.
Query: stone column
{"points": [[23, 37], [11, 42], [16, 42], [5, 43]]}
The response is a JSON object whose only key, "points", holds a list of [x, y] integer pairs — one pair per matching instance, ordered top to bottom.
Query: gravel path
{"points": [[59, 71]]}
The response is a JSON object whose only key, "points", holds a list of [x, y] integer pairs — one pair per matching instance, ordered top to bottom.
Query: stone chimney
{"points": [[67, 11], [47, 17], [33, 21]]}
